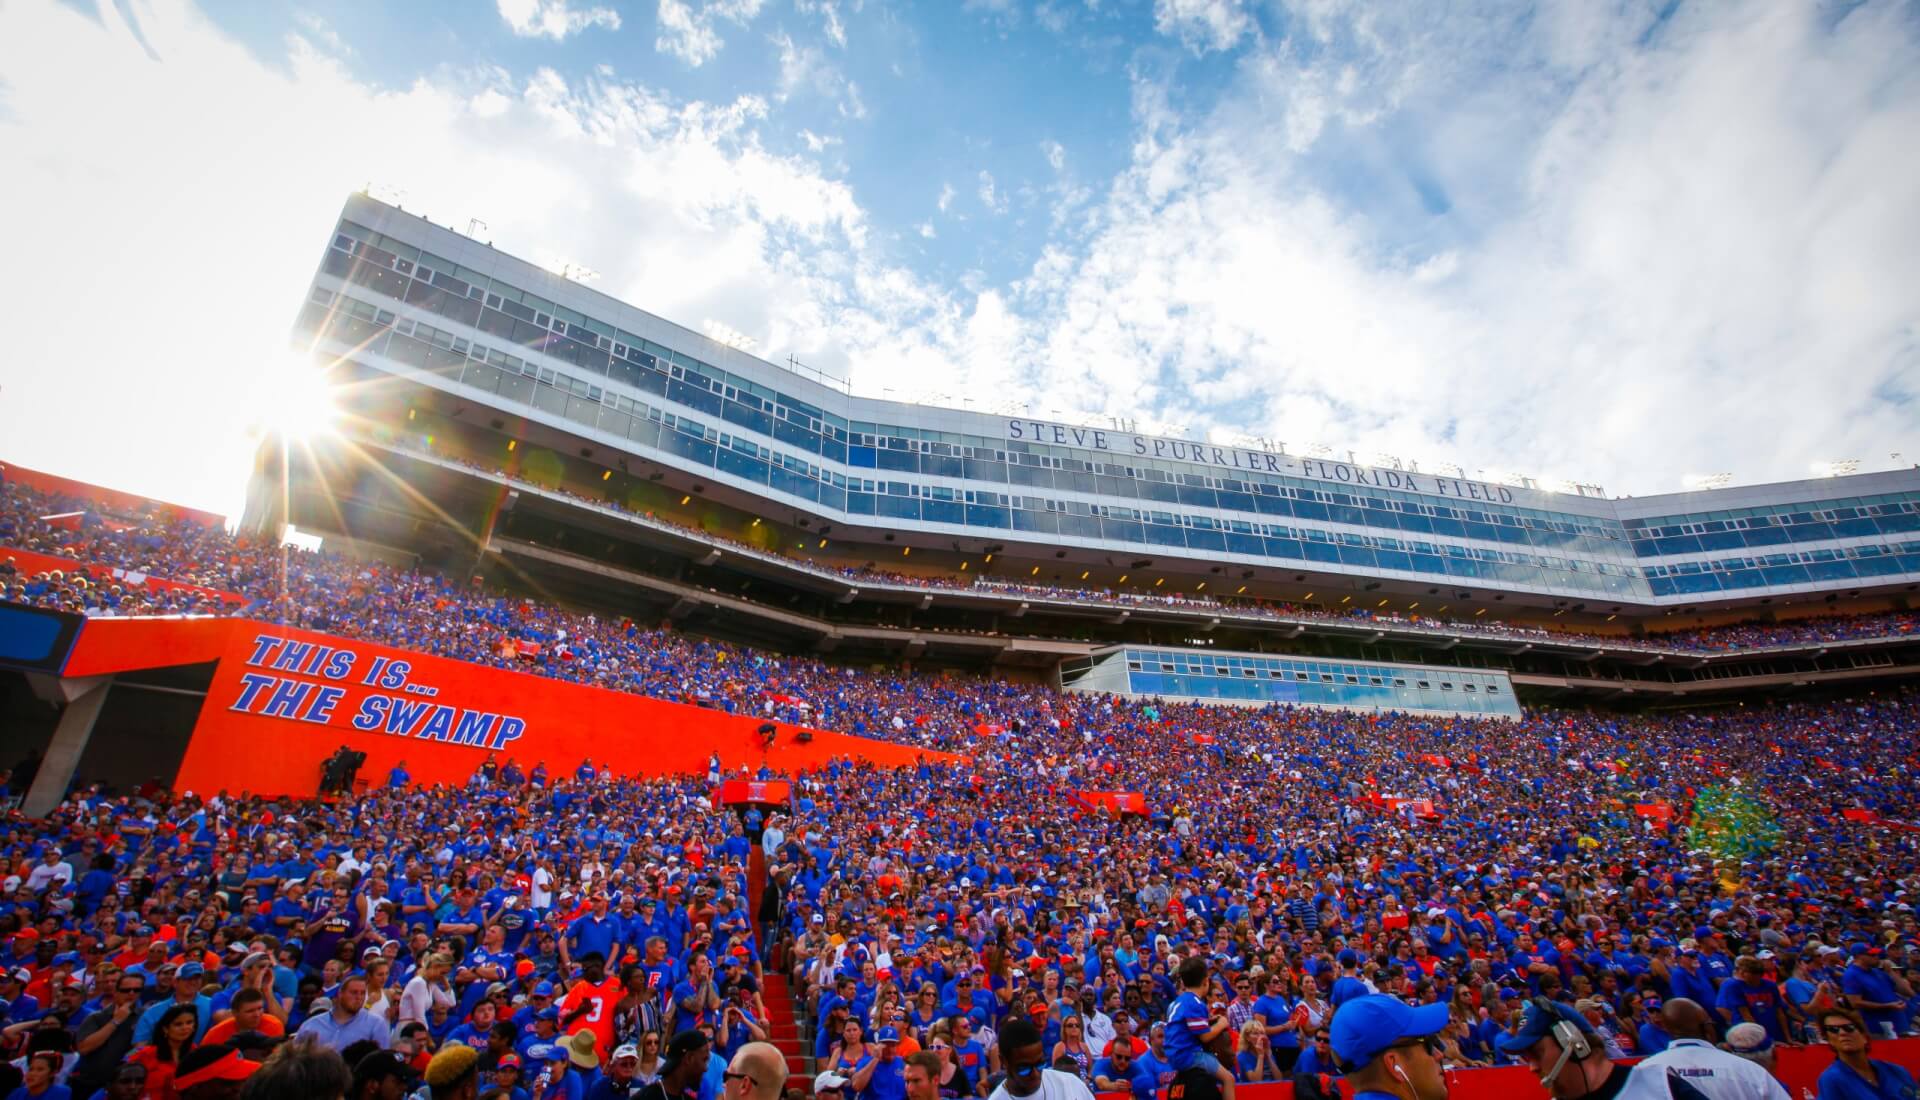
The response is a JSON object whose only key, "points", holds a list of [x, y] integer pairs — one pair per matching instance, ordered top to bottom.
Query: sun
{"points": [[297, 400]]}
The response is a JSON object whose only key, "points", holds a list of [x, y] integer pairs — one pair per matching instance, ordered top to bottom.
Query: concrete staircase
{"points": [[787, 1027]]}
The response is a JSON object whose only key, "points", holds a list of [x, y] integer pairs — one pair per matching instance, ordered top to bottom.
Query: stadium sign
{"points": [[1252, 461]]}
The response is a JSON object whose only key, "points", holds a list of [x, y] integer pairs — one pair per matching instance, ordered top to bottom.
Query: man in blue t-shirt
{"points": [[1872, 992], [1750, 997], [1191, 1026], [1121, 1070], [883, 1077]]}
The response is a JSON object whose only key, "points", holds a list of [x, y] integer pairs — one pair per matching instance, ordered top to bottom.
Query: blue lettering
{"points": [[1015, 429], [1059, 434], [1079, 438], [1099, 439], [1139, 445], [1159, 447], [1178, 449], [1218, 458], [1270, 464], [1506, 495], [263, 644], [291, 655], [338, 665], [311, 666], [373, 674], [396, 676], [251, 684], [286, 698], [321, 708], [372, 708], [404, 714], [439, 725], [473, 728], [510, 729]]}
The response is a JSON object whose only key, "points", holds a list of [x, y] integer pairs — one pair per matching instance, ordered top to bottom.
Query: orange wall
{"points": [[125, 645], [266, 730]]}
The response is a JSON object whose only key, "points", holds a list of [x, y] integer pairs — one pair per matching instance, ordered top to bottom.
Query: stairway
{"points": [[785, 1027]]}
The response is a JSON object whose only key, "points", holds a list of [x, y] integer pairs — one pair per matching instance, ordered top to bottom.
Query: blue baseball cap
{"points": [[1349, 957], [190, 970], [543, 989], [547, 1013], [1539, 1024], [1366, 1026], [886, 1035]]}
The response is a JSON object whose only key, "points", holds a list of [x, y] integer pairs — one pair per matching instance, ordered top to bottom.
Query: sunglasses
{"points": [[1840, 1029], [1430, 1043], [730, 1076]]}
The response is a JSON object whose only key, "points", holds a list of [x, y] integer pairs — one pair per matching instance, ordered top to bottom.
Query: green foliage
{"points": [[1732, 825]]}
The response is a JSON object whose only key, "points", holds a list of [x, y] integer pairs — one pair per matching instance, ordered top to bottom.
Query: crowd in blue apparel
{"points": [[184, 550], [936, 903]]}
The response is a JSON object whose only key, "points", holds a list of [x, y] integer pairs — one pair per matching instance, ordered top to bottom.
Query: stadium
{"points": [[740, 713]]}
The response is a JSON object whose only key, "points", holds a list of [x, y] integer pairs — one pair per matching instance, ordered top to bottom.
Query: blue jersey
{"points": [[1187, 1025]]}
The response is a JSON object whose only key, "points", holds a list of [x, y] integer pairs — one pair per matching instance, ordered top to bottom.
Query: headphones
{"points": [[1574, 1046]]}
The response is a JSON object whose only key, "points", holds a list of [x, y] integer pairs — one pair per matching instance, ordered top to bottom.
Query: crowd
{"points": [[582, 932]]}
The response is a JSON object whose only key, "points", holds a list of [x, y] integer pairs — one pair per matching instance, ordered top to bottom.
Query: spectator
{"points": [[1717, 1074], [1853, 1075]]}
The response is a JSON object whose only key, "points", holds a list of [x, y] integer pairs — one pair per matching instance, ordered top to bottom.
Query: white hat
{"points": [[829, 1081]]}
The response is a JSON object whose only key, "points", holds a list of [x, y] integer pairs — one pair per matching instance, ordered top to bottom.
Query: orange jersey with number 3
{"points": [[600, 1001]]}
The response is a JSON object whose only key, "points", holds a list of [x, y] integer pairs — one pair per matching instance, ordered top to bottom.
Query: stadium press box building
{"points": [[457, 354]]}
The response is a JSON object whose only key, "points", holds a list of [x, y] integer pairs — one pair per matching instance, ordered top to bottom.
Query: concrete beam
{"points": [[1019, 611], [69, 743]]}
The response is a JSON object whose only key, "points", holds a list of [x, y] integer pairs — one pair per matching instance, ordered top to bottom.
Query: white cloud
{"points": [[829, 13], [555, 19], [1203, 25], [688, 28], [320, 31], [804, 69], [1056, 154], [990, 196], [946, 197], [677, 203], [1700, 265]]}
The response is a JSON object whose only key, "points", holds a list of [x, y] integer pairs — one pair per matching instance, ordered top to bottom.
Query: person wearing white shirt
{"points": [[50, 870], [542, 887], [1716, 1073], [1028, 1077]]}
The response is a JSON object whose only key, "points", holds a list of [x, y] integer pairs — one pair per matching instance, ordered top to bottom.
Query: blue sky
{"points": [[1626, 243]]}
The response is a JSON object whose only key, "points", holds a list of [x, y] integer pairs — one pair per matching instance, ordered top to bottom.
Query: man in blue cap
{"points": [[1390, 1049], [1564, 1049]]}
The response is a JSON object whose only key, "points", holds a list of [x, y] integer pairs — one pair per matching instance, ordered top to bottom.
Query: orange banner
{"points": [[283, 700], [747, 792], [1115, 802]]}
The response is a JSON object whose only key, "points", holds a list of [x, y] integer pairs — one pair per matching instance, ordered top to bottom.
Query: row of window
{"points": [[421, 346], [433, 348]]}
